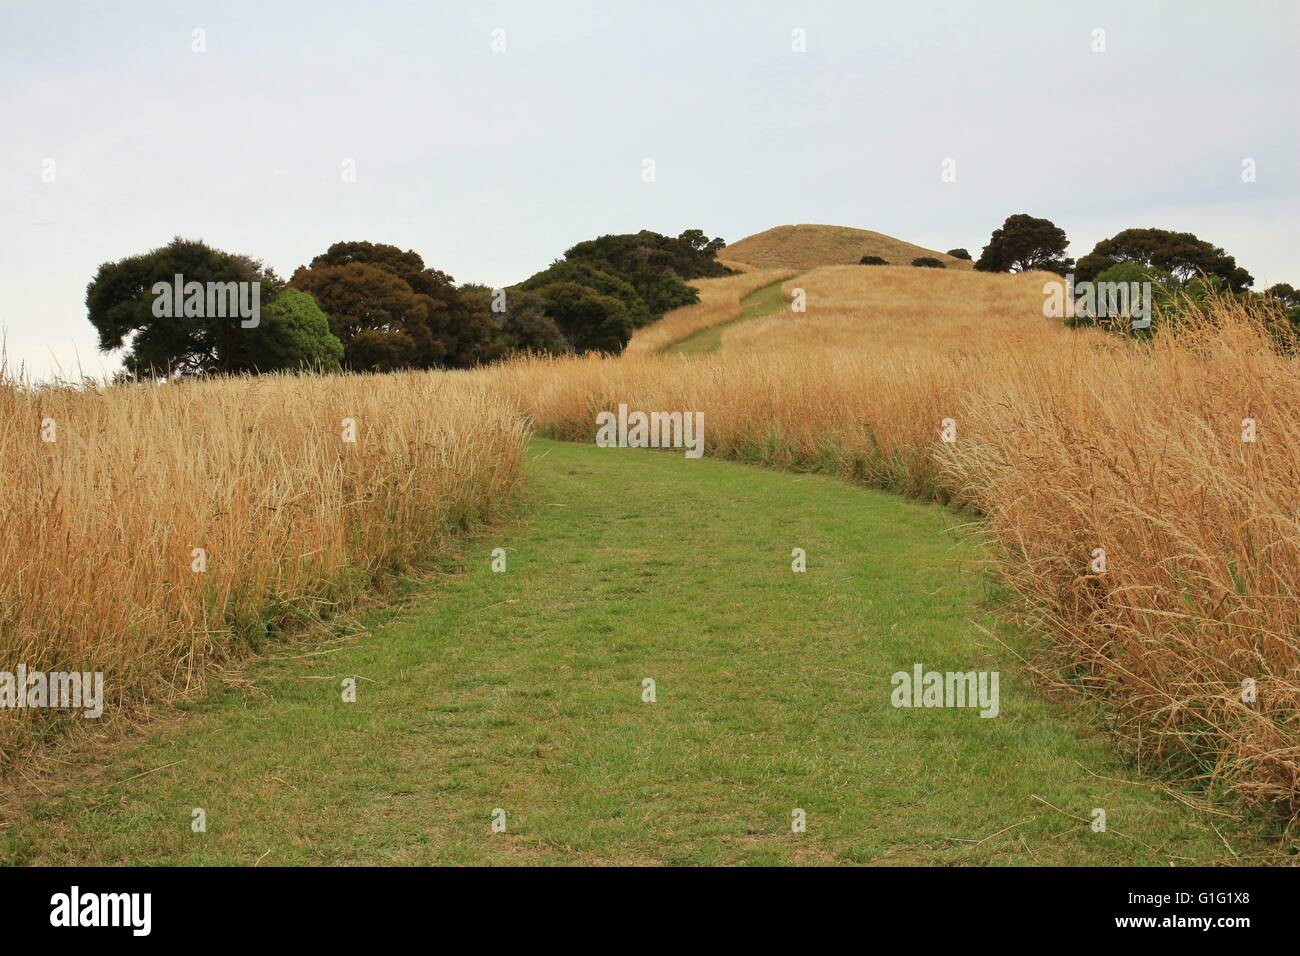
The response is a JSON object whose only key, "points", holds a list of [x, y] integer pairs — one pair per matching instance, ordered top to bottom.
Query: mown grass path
{"points": [[760, 302], [523, 691]]}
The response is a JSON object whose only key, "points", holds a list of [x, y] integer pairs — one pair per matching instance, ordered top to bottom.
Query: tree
{"points": [[1024, 243], [959, 253], [1181, 254], [872, 261], [928, 262], [655, 265], [585, 273], [1285, 293], [390, 311], [381, 322], [591, 322], [211, 326], [524, 326]]}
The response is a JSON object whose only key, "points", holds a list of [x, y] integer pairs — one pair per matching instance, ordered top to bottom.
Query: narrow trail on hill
{"points": [[760, 302], [524, 691]]}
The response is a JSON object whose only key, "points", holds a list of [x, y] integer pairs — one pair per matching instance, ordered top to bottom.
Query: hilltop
{"points": [[808, 246]]}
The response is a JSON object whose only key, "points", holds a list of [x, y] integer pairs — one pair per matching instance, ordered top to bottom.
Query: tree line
{"points": [[1177, 262], [364, 306]]}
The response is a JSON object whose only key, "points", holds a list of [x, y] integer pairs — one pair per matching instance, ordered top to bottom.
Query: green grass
{"points": [[760, 302], [522, 690]]}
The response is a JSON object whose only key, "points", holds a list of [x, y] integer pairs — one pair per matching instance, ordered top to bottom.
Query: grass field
{"points": [[760, 302], [522, 691]]}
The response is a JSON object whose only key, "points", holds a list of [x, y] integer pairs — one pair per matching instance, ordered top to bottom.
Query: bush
{"points": [[959, 253], [872, 261], [928, 262], [295, 334]]}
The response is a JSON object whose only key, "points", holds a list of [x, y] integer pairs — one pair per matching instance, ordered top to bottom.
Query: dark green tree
{"points": [[1023, 243], [959, 253], [1181, 254], [872, 261], [928, 262], [655, 265], [585, 273], [1287, 294], [131, 304], [591, 322], [523, 325]]}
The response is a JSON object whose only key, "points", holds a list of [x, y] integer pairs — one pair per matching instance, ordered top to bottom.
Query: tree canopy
{"points": [[1023, 243], [1180, 254], [655, 265], [585, 273], [130, 303], [390, 311], [590, 321]]}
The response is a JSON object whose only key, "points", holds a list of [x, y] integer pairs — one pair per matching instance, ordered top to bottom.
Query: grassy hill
{"points": [[810, 246]]}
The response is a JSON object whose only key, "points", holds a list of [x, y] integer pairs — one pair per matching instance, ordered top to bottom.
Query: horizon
{"points": [[490, 163]]}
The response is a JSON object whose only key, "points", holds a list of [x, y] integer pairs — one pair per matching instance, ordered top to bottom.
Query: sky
{"points": [[491, 136]]}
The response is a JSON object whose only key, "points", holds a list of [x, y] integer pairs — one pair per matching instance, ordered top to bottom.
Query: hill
{"points": [[809, 246]]}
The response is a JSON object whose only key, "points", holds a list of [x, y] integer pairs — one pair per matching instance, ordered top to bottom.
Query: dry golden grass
{"points": [[808, 246], [719, 303], [892, 307], [1066, 442], [1139, 451], [99, 525]]}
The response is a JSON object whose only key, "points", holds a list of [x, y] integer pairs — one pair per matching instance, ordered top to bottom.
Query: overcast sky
{"points": [[490, 164]]}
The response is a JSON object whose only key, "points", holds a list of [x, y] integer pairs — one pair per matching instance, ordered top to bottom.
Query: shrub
{"points": [[959, 253], [872, 261], [928, 262], [295, 334]]}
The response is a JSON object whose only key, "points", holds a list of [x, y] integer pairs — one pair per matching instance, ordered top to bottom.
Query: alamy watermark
{"points": [[212, 300], [1098, 300], [651, 430], [922, 688], [58, 690], [75, 908]]}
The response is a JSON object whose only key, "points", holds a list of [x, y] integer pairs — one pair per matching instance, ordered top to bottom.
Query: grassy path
{"points": [[760, 302], [523, 691]]}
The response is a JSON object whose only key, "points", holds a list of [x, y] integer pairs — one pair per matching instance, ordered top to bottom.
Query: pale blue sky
{"points": [[491, 164]]}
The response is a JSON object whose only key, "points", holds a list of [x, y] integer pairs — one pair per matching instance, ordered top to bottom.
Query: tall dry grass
{"points": [[719, 303], [1067, 441], [1138, 451], [99, 526]]}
